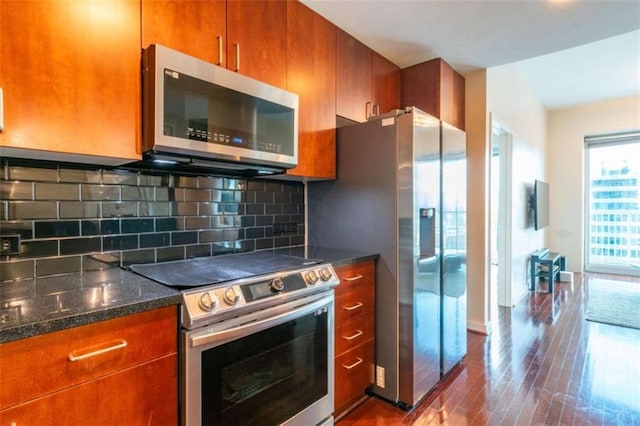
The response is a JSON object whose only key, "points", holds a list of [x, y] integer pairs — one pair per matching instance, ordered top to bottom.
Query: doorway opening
{"points": [[500, 217]]}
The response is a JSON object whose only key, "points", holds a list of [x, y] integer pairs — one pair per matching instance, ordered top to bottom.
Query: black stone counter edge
{"points": [[337, 257], [48, 326]]}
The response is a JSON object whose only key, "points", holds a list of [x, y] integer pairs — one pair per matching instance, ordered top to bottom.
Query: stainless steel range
{"points": [[257, 338]]}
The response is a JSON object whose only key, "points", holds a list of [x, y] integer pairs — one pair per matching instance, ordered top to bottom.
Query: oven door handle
{"points": [[222, 336]]}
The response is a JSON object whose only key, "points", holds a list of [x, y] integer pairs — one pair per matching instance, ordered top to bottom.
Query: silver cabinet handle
{"points": [[237, 45], [219, 50], [367, 109], [1, 111], [354, 278], [351, 308], [353, 336], [119, 344], [355, 364]]}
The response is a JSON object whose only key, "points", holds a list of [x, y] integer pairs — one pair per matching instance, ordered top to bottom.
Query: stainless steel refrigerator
{"points": [[401, 192]]}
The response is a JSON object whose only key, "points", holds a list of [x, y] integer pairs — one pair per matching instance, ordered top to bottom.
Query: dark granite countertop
{"points": [[32, 307]]}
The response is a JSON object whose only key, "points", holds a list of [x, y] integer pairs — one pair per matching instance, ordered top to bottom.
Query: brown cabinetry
{"points": [[248, 36], [311, 73], [70, 75], [367, 83], [437, 89], [354, 334], [120, 371]]}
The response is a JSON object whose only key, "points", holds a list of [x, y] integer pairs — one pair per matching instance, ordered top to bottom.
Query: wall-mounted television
{"points": [[539, 204]]}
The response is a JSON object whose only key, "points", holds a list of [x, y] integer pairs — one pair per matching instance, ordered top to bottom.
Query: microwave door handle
{"points": [[223, 336]]}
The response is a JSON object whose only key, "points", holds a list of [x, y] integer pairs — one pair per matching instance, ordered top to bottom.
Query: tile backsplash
{"points": [[73, 220]]}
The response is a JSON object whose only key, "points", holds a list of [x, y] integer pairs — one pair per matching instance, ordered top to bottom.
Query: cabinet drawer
{"points": [[355, 277], [354, 304], [353, 333], [43, 364], [353, 374], [143, 395]]}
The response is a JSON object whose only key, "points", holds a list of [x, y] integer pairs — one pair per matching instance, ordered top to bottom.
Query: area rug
{"points": [[614, 302]]}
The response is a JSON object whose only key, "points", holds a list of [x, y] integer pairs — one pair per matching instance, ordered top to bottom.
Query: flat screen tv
{"points": [[540, 204]]}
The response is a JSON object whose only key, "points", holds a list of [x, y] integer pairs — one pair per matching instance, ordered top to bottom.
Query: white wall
{"points": [[512, 102], [567, 129], [477, 207]]}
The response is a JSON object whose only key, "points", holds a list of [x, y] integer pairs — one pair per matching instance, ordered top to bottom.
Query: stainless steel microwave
{"points": [[202, 115]]}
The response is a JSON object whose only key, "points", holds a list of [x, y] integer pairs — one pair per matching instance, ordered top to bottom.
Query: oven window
{"points": [[267, 377]]}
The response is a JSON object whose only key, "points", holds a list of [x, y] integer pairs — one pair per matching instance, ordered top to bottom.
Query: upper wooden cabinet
{"points": [[197, 28], [257, 32], [247, 36], [311, 65], [70, 75], [367, 83], [386, 84], [437, 89]]}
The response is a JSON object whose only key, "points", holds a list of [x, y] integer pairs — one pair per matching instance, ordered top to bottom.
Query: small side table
{"points": [[546, 264]]}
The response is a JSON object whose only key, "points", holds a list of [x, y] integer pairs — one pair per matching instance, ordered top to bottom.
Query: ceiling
{"points": [[571, 51]]}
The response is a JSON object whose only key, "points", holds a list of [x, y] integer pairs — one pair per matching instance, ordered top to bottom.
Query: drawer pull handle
{"points": [[354, 278], [351, 308], [353, 336], [119, 344], [355, 364]]}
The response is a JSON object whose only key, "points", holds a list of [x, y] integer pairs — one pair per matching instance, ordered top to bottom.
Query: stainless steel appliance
{"points": [[198, 114], [401, 192], [257, 342]]}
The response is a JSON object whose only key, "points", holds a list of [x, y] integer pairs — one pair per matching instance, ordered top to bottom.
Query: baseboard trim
{"points": [[479, 328]]}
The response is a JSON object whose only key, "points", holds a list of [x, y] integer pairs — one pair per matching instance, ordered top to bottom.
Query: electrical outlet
{"points": [[290, 227], [285, 228], [9, 245], [379, 376]]}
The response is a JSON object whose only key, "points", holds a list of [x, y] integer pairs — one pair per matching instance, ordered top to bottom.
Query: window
{"points": [[612, 224]]}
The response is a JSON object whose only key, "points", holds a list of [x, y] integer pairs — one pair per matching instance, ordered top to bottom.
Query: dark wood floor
{"points": [[544, 364]]}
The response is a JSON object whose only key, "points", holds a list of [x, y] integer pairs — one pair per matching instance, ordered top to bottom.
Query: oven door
{"points": [[270, 367]]}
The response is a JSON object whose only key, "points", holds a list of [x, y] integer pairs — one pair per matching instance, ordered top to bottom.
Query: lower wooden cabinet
{"points": [[354, 334], [120, 371], [142, 395]]}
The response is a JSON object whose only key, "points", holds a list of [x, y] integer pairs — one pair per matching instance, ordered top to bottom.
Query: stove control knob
{"points": [[325, 274], [310, 277], [276, 285], [231, 297], [208, 301]]}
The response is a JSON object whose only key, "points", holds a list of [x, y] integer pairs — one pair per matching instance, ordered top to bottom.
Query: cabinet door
{"points": [[197, 28], [256, 39], [70, 72], [311, 73], [353, 78], [386, 84], [421, 87], [437, 89], [452, 96], [100, 349], [354, 372], [143, 395]]}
